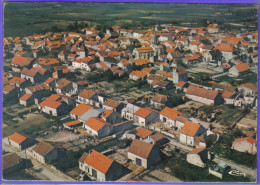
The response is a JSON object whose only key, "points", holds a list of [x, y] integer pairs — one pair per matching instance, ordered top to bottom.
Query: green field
{"points": [[26, 18]]}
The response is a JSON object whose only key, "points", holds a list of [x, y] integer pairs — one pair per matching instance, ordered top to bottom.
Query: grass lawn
{"points": [[249, 78], [32, 122], [19, 175]]}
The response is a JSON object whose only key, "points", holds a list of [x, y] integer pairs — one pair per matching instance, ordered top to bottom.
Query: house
{"points": [[226, 50], [144, 52], [192, 58], [19, 63], [46, 63], [239, 69], [35, 74], [179, 74], [136, 75], [19, 82], [51, 82], [163, 85], [181, 85], [64, 86], [247, 89], [10, 90], [38, 91], [203, 95], [229, 96], [90, 97], [26, 100], [159, 101], [110, 104], [54, 106], [80, 110], [128, 111], [95, 112], [145, 116], [168, 116], [111, 117], [180, 121], [71, 125], [98, 127], [189, 131], [143, 133], [158, 139], [20, 141], [247, 145], [45, 151], [143, 154], [198, 157], [11, 162], [100, 166]]}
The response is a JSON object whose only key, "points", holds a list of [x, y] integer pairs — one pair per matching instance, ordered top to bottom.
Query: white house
{"points": [[239, 69], [128, 111], [145, 116], [168, 116], [189, 131], [246, 144], [143, 154], [198, 157], [100, 166]]}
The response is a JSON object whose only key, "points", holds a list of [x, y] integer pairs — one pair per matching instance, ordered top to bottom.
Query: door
{"points": [[138, 162], [94, 173]]}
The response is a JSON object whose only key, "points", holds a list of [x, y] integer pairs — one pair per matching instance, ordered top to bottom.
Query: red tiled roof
{"points": [[224, 47], [21, 61], [47, 61], [103, 65], [242, 67], [33, 71], [139, 73], [17, 80], [49, 80], [181, 83], [250, 86], [8, 88], [201, 92], [86, 94], [227, 94], [25, 97], [159, 98], [111, 103], [81, 109], [143, 112], [107, 113], [170, 113], [71, 123], [96, 123], [190, 128], [143, 133], [18, 138], [248, 139], [140, 148], [197, 150], [98, 161]]}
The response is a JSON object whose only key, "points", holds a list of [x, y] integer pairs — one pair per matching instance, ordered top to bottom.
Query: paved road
{"points": [[241, 168], [41, 171]]}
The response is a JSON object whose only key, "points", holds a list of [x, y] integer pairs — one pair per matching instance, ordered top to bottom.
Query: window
{"points": [[94, 173]]}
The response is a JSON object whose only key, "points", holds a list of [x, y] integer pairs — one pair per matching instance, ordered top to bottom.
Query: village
{"points": [[166, 104]]}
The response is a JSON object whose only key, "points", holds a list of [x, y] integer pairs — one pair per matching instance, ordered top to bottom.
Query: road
{"points": [[239, 167], [41, 171]]}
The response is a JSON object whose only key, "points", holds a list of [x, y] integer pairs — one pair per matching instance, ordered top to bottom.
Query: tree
{"points": [[202, 23], [108, 75]]}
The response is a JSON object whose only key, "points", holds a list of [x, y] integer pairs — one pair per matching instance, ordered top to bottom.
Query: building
{"points": [[239, 69], [35, 74], [179, 74], [136, 75], [247, 89], [203, 95], [90, 98], [26, 100], [159, 101], [113, 105], [54, 106], [80, 110], [128, 111], [145, 116], [168, 116], [111, 117], [72, 124], [98, 127], [189, 131], [143, 133], [21, 141], [247, 144], [45, 152], [143, 154], [197, 157], [11, 163], [100, 167]]}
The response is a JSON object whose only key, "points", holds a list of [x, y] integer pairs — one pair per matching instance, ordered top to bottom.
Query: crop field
{"points": [[26, 18]]}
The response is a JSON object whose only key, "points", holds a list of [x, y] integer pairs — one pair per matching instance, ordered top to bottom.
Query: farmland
{"points": [[23, 19]]}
